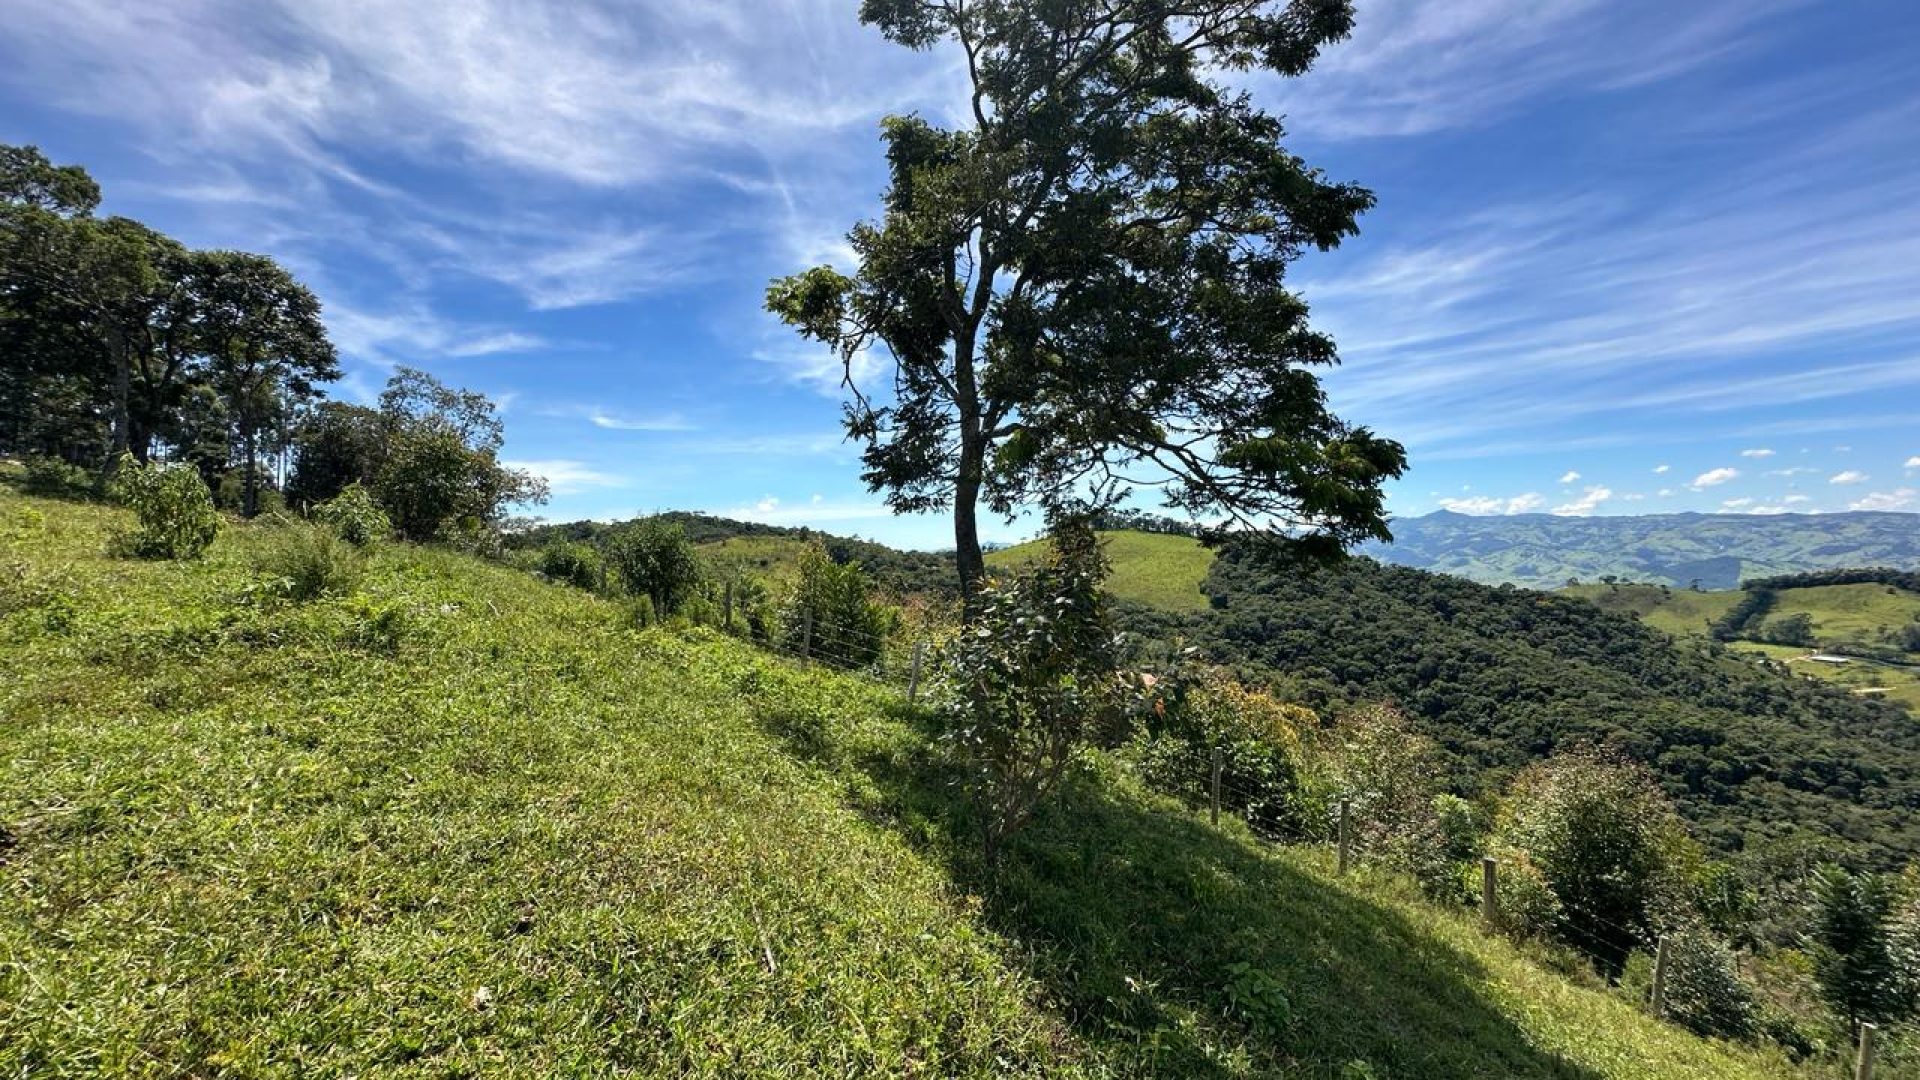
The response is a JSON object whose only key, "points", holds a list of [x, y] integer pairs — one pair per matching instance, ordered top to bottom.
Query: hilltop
{"points": [[1714, 551], [462, 821]]}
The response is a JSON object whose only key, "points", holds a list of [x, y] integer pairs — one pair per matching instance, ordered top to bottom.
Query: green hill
{"points": [[1718, 551], [1156, 569], [1849, 617], [465, 823]]}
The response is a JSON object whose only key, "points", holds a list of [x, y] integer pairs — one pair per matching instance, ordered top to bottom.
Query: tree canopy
{"points": [[1081, 290]]}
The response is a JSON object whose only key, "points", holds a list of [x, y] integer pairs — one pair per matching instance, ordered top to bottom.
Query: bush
{"points": [[52, 476], [173, 506], [354, 515], [654, 559], [304, 561], [571, 563], [832, 613], [1031, 681], [1258, 739], [1388, 774], [1607, 842], [1524, 902], [1705, 993]]}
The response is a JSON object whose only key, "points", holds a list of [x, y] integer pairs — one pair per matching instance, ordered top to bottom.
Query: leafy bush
{"points": [[52, 476], [173, 506], [355, 516], [654, 559], [303, 561], [571, 564], [831, 612], [1031, 681], [1258, 740], [1388, 774], [1608, 843], [1524, 902], [1864, 955], [1705, 992]]}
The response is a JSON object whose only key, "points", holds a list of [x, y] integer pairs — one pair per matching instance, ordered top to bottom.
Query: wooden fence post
{"points": [[806, 634], [913, 672], [1216, 785], [1341, 836], [1489, 904], [1660, 977], [1863, 1064]]}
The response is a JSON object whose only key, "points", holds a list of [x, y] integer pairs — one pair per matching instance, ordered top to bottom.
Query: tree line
{"points": [[118, 341]]}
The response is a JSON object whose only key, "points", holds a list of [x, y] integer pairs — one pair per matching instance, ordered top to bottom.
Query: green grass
{"points": [[776, 558], [1155, 569], [1842, 615], [464, 823]]}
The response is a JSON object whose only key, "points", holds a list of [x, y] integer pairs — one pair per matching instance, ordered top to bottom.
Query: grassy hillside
{"points": [[1543, 551], [1155, 569], [1843, 615], [465, 823]]}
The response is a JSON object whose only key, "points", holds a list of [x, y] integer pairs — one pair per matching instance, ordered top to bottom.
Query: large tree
{"points": [[1080, 289], [266, 348]]}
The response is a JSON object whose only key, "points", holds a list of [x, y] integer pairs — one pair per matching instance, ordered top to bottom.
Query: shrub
{"points": [[52, 476], [173, 506], [354, 515], [654, 559], [303, 561], [571, 563], [832, 611], [1031, 681], [1258, 739], [1388, 774], [1608, 843], [1524, 902], [1863, 955], [1705, 992]]}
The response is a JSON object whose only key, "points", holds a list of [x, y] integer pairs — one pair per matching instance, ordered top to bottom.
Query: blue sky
{"points": [[1629, 257]]}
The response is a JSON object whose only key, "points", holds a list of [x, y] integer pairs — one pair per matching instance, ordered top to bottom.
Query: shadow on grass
{"points": [[1176, 950]]}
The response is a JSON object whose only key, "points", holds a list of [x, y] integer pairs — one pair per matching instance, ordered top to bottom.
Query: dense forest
{"points": [[1503, 676]]}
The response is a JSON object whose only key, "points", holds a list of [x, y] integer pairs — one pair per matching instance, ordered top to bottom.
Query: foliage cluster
{"points": [[175, 513]]}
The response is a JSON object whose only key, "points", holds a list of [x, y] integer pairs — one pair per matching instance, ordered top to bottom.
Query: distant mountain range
{"points": [[1717, 550]]}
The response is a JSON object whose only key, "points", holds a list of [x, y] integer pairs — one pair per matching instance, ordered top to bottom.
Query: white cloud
{"points": [[663, 422], [1758, 452], [1912, 462], [1659, 469], [1798, 470], [1850, 476], [567, 477], [1569, 477], [1714, 477], [1666, 493], [1797, 499], [1898, 499], [1586, 503], [1493, 504], [1736, 504], [770, 510]]}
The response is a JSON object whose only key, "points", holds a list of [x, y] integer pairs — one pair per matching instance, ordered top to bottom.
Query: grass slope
{"points": [[1155, 569], [1864, 614], [465, 823]]}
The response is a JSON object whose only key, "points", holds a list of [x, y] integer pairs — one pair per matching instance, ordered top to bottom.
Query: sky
{"points": [[1628, 257]]}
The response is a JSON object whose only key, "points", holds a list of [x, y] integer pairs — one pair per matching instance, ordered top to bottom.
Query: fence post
{"points": [[806, 634], [913, 672], [1216, 784], [1341, 835], [1489, 905], [1660, 977], [1863, 1065]]}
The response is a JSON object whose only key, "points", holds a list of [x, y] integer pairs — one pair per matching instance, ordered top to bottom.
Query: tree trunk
{"points": [[122, 356], [249, 482], [966, 531]]}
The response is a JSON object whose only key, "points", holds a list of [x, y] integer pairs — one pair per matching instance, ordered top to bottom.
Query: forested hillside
{"points": [[1712, 551], [1503, 676]]}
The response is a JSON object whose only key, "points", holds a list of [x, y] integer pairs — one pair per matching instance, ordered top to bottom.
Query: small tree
{"points": [[439, 464], [174, 508], [355, 517], [654, 559], [833, 602], [1031, 681], [1608, 843], [1859, 960]]}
